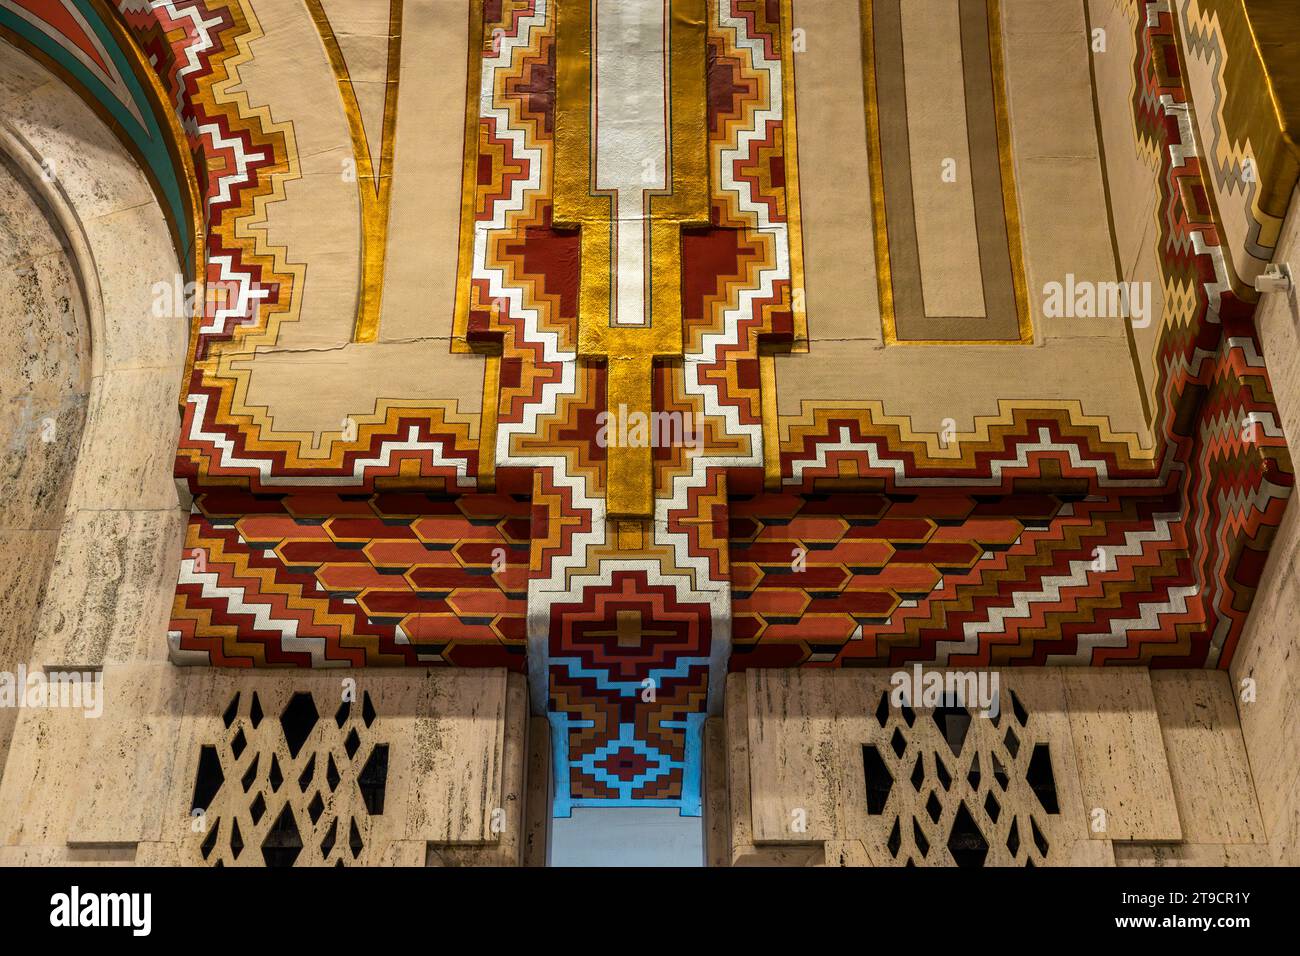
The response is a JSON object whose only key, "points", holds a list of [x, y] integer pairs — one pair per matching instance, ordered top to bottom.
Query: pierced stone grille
{"points": [[292, 782], [948, 787]]}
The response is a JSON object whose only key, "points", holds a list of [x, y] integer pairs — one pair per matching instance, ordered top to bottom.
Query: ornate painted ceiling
{"points": [[631, 341]]}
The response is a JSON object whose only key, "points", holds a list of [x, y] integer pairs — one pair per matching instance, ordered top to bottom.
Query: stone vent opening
{"points": [[997, 807], [244, 814]]}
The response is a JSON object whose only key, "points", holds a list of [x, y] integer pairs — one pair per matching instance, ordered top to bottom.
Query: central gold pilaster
{"points": [[630, 351]]}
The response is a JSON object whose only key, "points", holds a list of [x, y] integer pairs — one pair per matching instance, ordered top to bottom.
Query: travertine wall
{"points": [[44, 345], [1269, 653], [1081, 766], [193, 767]]}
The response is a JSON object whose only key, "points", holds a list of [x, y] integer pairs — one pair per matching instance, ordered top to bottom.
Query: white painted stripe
{"points": [[630, 105]]}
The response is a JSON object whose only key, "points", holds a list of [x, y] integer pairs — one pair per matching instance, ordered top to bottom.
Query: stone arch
{"points": [[44, 387], [97, 590]]}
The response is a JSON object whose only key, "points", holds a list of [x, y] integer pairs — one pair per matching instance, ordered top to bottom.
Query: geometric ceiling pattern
{"points": [[628, 246]]}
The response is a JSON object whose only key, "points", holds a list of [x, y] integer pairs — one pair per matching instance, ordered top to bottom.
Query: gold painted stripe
{"points": [[790, 148], [1006, 160], [1006, 165], [469, 182], [373, 186], [686, 201], [575, 204], [880, 222], [771, 423], [487, 431], [630, 469]]}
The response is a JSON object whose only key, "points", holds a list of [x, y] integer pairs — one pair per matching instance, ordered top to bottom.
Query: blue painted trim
{"points": [[628, 688], [690, 804]]}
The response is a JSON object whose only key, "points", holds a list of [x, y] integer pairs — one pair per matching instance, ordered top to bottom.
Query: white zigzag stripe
{"points": [[712, 343], [1075, 577]]}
